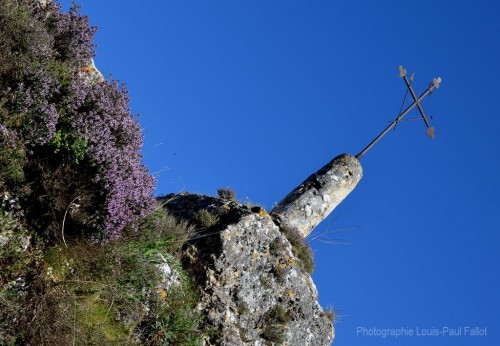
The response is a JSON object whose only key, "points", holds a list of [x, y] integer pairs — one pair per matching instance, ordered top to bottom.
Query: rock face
{"points": [[311, 202], [254, 289]]}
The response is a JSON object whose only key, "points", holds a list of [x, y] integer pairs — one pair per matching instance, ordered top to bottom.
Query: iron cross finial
{"points": [[416, 102]]}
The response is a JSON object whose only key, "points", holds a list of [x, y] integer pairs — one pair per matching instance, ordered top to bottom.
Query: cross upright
{"points": [[416, 102], [313, 200]]}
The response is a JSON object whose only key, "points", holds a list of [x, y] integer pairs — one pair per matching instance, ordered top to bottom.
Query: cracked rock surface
{"points": [[313, 200], [253, 290]]}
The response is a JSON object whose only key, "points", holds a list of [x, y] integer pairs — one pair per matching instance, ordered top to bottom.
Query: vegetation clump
{"points": [[62, 135], [70, 154], [226, 193], [206, 219], [300, 248], [114, 293], [276, 320]]}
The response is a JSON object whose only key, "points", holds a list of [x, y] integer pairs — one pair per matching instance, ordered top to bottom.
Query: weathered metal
{"points": [[434, 84], [313, 200]]}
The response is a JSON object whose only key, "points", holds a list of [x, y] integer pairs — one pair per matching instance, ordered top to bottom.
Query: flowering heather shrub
{"points": [[72, 35], [99, 114], [77, 137]]}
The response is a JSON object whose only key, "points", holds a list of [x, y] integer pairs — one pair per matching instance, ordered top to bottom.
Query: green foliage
{"points": [[21, 39], [62, 72], [57, 123], [70, 144], [11, 164], [227, 193], [206, 219], [169, 233], [14, 241], [300, 248], [19, 258], [280, 272], [265, 281], [104, 294], [277, 315], [173, 319], [276, 319], [274, 334]]}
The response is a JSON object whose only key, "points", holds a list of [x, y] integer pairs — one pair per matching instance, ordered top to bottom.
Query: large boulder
{"points": [[254, 290]]}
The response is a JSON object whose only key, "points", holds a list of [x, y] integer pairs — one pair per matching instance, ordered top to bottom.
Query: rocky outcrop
{"points": [[254, 289]]}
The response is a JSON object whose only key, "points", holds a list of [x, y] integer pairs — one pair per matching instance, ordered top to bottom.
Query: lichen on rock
{"points": [[313, 200], [253, 290]]}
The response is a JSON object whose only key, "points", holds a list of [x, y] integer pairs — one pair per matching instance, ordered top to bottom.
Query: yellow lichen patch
{"points": [[88, 69], [262, 212], [255, 255], [290, 261], [282, 265], [163, 294], [291, 294]]}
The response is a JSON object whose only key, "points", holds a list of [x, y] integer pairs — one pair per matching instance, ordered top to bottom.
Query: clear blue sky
{"points": [[257, 95]]}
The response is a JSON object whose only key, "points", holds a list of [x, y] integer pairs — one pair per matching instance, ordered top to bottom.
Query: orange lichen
{"points": [[88, 69], [290, 261], [163, 294]]}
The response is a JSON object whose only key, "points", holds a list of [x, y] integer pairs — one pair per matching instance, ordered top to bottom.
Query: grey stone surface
{"points": [[313, 200], [253, 290]]}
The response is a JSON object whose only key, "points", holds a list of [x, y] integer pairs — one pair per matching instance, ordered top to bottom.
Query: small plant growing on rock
{"points": [[227, 194], [206, 219], [300, 248], [280, 271], [243, 308], [331, 314], [276, 319]]}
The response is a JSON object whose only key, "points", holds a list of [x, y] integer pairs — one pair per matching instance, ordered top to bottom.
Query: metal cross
{"points": [[416, 102]]}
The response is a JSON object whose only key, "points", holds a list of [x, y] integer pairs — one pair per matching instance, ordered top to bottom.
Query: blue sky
{"points": [[257, 95]]}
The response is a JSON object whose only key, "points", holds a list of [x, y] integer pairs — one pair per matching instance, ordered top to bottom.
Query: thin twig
{"points": [[64, 219]]}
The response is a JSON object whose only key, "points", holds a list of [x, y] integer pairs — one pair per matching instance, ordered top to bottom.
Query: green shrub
{"points": [[58, 125], [70, 144], [12, 160], [227, 194], [206, 219], [300, 248], [15, 254], [19, 261], [280, 272], [102, 294], [277, 315], [276, 319]]}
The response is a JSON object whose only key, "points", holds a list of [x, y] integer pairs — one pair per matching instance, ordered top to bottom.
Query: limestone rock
{"points": [[311, 202], [253, 290]]}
